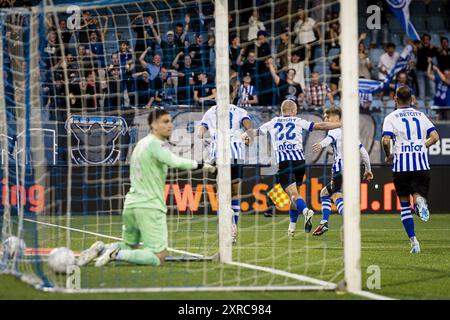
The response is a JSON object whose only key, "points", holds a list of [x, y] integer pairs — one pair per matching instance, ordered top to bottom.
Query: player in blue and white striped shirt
{"points": [[238, 117], [411, 133], [287, 144], [333, 190]]}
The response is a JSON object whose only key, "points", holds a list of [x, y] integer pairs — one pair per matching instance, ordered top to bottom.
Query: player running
{"points": [[238, 117], [411, 133], [287, 144], [333, 190], [144, 214]]}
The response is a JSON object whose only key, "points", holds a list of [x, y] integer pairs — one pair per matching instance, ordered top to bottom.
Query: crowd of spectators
{"points": [[177, 67]]}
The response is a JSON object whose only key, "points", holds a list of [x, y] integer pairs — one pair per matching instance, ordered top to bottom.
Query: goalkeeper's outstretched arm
{"points": [[166, 156]]}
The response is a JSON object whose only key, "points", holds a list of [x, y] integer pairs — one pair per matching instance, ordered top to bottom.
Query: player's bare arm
{"points": [[325, 126], [202, 132], [434, 138], [386, 143], [317, 147], [368, 175]]}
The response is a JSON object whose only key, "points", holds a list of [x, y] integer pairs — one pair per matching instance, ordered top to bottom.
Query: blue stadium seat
{"points": [[418, 7], [437, 7], [419, 22], [436, 23], [394, 25], [396, 39], [435, 39], [318, 53], [333, 53], [374, 56], [319, 68], [307, 72], [376, 103], [420, 103], [327, 104], [390, 105]]}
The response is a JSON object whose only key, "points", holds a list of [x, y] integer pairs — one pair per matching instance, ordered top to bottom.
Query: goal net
{"points": [[77, 85]]}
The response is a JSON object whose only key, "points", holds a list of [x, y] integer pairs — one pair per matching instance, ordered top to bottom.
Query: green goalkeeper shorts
{"points": [[148, 226]]}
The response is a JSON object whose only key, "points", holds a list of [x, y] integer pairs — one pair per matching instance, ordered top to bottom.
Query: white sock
{"points": [[305, 211], [323, 221], [292, 225], [413, 240]]}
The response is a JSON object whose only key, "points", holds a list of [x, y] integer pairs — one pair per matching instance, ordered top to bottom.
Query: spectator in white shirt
{"points": [[254, 25], [304, 28], [305, 37], [387, 61], [298, 64]]}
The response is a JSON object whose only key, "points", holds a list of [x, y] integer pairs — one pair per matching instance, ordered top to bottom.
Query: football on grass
{"points": [[13, 247], [60, 259]]}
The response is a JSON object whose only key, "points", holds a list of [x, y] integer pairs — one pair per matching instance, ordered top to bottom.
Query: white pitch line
{"points": [[106, 236], [286, 274], [322, 285], [189, 289], [371, 295]]}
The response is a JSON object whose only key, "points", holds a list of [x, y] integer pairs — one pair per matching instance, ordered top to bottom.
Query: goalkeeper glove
{"points": [[206, 167]]}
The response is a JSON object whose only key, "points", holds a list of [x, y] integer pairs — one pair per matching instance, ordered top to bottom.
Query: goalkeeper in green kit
{"points": [[144, 213]]}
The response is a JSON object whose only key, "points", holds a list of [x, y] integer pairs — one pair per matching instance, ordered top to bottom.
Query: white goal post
{"points": [[350, 119], [223, 120]]}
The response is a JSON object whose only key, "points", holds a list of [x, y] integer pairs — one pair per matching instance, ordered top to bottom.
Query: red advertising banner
{"points": [[101, 190]]}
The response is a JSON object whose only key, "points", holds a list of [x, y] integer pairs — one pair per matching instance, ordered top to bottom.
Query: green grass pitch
{"points": [[262, 241]]}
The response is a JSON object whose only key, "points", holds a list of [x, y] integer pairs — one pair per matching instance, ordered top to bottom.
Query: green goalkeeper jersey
{"points": [[149, 163]]}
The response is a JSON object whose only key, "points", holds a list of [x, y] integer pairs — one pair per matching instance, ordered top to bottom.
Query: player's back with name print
{"points": [[409, 129], [287, 137]]}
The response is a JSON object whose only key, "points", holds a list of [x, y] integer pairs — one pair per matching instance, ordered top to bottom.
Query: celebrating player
{"points": [[238, 117], [409, 130], [287, 144], [333, 190], [144, 214]]}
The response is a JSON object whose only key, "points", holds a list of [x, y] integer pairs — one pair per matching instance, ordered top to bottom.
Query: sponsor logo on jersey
{"points": [[411, 147]]}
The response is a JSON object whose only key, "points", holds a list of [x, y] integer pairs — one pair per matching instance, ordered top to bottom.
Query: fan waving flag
{"points": [[401, 10], [373, 86]]}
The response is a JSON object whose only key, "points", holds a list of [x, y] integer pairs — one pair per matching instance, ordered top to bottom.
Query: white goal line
{"points": [[318, 285]]}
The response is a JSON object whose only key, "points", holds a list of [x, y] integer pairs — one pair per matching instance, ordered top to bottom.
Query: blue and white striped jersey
{"points": [[244, 94], [237, 115], [409, 130], [286, 135], [334, 138]]}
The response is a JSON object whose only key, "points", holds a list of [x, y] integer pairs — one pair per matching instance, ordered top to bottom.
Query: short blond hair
{"points": [[288, 106]]}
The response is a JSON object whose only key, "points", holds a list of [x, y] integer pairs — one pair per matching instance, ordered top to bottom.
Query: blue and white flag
{"points": [[401, 10], [372, 86]]}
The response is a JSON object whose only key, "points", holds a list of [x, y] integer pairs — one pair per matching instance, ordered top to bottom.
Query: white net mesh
{"points": [[86, 96]]}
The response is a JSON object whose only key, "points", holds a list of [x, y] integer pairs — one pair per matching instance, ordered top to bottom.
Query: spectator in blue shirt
{"points": [[152, 68], [442, 95]]}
